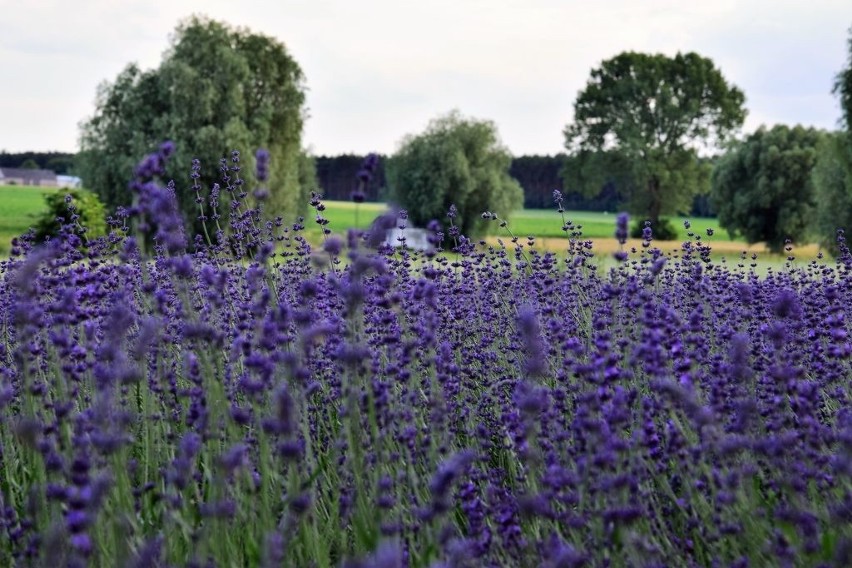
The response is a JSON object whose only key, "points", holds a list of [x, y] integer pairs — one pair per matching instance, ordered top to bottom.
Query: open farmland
{"points": [[19, 207], [541, 223], [546, 226], [404, 409]]}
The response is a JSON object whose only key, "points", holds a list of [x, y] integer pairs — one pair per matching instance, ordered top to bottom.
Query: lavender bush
{"points": [[166, 402]]}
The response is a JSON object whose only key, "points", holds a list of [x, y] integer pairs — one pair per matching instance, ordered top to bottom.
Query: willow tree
{"points": [[217, 89], [456, 161], [833, 172], [762, 188]]}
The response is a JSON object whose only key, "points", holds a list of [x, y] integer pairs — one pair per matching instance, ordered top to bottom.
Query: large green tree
{"points": [[217, 89], [643, 119], [456, 161], [832, 179], [762, 188]]}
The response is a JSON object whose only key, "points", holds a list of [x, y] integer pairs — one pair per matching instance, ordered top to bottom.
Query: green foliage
{"points": [[216, 89], [640, 122], [456, 161], [29, 164], [62, 165], [538, 176], [832, 176], [832, 180], [762, 188], [91, 221]]}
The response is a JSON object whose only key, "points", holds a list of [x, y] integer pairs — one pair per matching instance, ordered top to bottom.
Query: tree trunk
{"points": [[655, 204]]}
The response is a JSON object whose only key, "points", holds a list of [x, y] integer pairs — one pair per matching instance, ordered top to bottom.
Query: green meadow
{"points": [[20, 207], [540, 223]]}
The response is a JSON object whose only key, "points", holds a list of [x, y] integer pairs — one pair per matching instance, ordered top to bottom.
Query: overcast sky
{"points": [[379, 69]]}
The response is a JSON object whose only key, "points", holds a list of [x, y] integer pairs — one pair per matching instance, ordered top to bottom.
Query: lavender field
{"points": [[238, 399]]}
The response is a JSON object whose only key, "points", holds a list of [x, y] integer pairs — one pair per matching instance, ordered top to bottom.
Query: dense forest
{"points": [[60, 162], [337, 176]]}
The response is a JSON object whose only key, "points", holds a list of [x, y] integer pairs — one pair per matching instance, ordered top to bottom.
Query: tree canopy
{"points": [[217, 89], [642, 120], [456, 161], [832, 178], [762, 188]]}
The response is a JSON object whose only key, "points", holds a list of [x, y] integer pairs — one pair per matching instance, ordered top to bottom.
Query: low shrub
{"points": [[79, 211], [664, 230]]}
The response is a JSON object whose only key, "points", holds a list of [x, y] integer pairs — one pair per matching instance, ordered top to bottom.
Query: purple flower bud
{"points": [[167, 148], [371, 162], [262, 164], [621, 222], [333, 245], [657, 265], [786, 305], [535, 361], [190, 444], [233, 458], [447, 472], [77, 521], [82, 543]]}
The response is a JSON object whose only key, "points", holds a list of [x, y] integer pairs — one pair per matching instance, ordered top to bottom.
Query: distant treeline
{"points": [[60, 162], [538, 176], [337, 178]]}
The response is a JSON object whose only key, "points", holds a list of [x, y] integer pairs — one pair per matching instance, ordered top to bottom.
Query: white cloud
{"points": [[378, 69]]}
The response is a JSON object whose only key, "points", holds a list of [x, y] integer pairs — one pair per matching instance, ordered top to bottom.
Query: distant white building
{"points": [[21, 176], [72, 182], [417, 239]]}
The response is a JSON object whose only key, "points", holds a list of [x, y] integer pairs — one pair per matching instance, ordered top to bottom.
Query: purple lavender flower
{"points": [[262, 164], [365, 176], [621, 222], [535, 360], [447, 473]]}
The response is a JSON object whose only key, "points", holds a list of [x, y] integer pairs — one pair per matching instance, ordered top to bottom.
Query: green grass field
{"points": [[20, 206], [19, 209], [541, 223], [546, 226]]}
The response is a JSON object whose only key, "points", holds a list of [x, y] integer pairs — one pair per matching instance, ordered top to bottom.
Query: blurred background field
{"points": [[22, 205], [19, 208]]}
